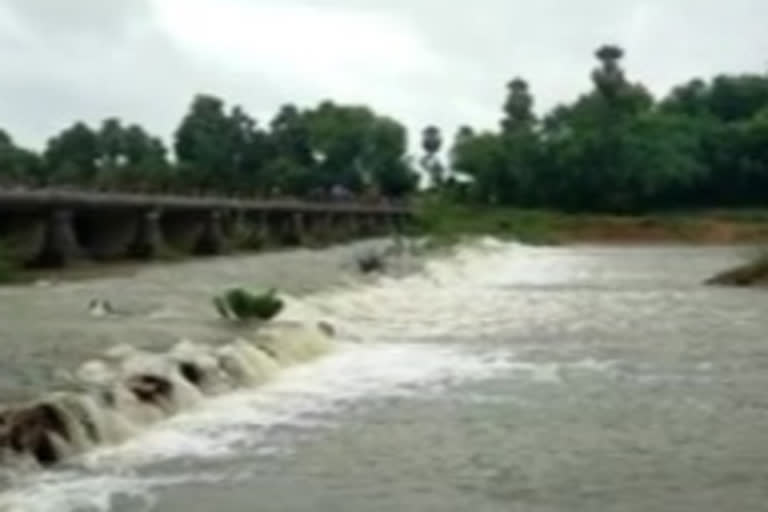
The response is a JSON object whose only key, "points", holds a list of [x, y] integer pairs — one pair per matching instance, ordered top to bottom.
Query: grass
{"points": [[446, 223]]}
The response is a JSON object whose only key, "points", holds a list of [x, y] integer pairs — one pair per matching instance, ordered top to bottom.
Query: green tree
{"points": [[609, 78], [738, 98], [690, 99], [518, 107], [291, 136], [203, 144], [355, 148], [222, 150], [251, 152], [596, 154], [737, 154], [72, 157], [482, 157], [129, 158], [385, 158], [17, 165], [290, 169]]}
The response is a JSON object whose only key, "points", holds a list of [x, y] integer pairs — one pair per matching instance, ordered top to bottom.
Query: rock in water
{"points": [[370, 263], [754, 273], [99, 308]]}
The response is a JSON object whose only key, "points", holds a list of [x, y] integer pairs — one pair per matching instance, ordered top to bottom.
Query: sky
{"points": [[423, 62]]}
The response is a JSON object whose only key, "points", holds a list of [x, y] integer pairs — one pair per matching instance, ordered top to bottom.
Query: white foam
{"points": [[352, 373], [225, 426], [70, 491]]}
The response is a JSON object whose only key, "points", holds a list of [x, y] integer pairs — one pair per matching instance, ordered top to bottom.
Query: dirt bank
{"points": [[449, 221], [643, 230], [754, 273]]}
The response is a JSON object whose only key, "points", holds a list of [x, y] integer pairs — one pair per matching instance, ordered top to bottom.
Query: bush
{"points": [[240, 304]]}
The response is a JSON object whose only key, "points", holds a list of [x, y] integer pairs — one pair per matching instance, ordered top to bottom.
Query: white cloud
{"points": [[295, 39], [306, 54], [422, 61]]}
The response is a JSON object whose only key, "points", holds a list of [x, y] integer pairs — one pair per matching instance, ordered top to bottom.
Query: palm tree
{"points": [[432, 141]]}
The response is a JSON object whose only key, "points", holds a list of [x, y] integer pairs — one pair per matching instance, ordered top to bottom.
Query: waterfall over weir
{"points": [[127, 390]]}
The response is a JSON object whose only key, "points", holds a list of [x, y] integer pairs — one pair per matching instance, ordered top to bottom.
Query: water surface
{"points": [[501, 378]]}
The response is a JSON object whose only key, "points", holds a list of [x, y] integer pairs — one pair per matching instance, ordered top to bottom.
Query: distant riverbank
{"points": [[446, 222]]}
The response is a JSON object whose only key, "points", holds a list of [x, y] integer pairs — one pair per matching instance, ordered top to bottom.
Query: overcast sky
{"points": [[421, 61]]}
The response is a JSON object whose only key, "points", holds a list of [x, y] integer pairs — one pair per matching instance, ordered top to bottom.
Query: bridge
{"points": [[53, 228]]}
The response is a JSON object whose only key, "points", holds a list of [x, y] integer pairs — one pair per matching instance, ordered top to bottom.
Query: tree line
{"points": [[615, 148], [618, 149], [348, 150]]}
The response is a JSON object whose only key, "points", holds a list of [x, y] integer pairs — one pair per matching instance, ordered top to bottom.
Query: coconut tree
{"points": [[432, 142]]}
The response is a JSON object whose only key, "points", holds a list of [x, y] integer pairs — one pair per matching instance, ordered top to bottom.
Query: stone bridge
{"points": [[52, 228]]}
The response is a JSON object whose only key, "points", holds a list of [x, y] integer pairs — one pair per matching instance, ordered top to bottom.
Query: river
{"points": [[499, 378]]}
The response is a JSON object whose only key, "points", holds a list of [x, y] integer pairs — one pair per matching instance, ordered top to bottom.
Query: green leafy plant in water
{"points": [[240, 304]]}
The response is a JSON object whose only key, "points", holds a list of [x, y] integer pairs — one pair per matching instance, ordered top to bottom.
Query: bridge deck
{"points": [[13, 199]]}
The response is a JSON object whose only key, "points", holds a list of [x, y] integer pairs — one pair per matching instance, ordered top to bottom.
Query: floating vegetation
{"points": [[243, 305]]}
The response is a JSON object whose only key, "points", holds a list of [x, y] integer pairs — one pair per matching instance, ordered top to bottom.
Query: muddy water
{"points": [[501, 378]]}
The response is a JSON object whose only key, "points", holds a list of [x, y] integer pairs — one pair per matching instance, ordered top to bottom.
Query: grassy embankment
{"points": [[446, 222]]}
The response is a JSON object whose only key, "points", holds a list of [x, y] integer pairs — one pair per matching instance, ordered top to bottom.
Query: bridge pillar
{"points": [[402, 221], [368, 224], [381, 224], [299, 225], [330, 225], [353, 225], [393, 225], [344, 226], [285, 228], [321, 228], [237, 229], [317, 229], [261, 234], [212, 240], [148, 242], [60, 244]]}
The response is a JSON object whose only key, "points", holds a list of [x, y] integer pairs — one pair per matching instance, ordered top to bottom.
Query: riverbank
{"points": [[447, 222], [753, 273]]}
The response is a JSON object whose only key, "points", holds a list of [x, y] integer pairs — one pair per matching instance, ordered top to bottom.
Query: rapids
{"points": [[497, 377]]}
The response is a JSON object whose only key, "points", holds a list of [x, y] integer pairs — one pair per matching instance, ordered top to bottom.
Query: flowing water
{"points": [[500, 378]]}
